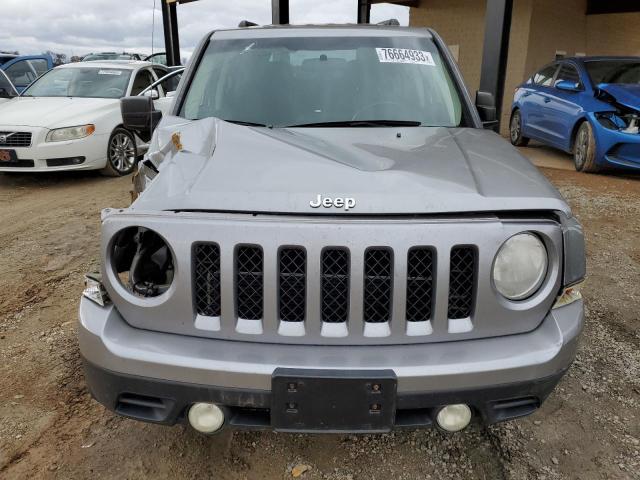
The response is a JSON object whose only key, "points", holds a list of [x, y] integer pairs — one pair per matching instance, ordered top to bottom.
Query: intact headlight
{"points": [[70, 133], [142, 261], [520, 266]]}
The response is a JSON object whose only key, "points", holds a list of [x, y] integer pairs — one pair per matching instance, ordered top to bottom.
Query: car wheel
{"points": [[515, 130], [584, 149], [121, 154]]}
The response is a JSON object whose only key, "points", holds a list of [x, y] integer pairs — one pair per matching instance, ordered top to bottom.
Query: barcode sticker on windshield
{"points": [[404, 55], [109, 72]]}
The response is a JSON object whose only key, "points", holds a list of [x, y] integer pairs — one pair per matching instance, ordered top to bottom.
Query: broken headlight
{"points": [[623, 122], [142, 261]]}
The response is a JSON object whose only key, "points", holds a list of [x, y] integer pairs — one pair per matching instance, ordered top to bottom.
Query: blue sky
{"points": [[73, 27]]}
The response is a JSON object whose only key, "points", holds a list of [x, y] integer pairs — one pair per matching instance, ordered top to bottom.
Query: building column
{"points": [[364, 11], [280, 12], [170, 26], [496, 50]]}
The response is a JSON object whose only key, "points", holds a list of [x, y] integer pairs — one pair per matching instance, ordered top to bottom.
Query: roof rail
{"points": [[391, 21], [247, 23]]}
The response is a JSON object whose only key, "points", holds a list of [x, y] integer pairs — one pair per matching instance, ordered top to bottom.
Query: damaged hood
{"points": [[625, 94], [218, 166]]}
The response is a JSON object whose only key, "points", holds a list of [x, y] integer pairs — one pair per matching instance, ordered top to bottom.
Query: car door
{"points": [[22, 72], [144, 77], [167, 85], [7, 90], [533, 103], [564, 107]]}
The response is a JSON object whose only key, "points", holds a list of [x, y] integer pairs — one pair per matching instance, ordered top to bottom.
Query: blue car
{"points": [[23, 70], [587, 106]]}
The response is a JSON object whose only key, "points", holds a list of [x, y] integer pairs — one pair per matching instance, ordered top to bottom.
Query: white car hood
{"points": [[54, 112]]}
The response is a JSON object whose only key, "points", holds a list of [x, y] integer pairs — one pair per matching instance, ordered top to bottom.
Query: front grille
{"points": [[15, 139], [206, 279], [461, 282], [249, 283], [419, 284], [334, 285], [377, 285], [291, 289], [292, 292]]}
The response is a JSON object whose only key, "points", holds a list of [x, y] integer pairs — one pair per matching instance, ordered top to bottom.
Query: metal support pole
{"points": [[364, 11], [280, 12], [170, 26], [497, 26]]}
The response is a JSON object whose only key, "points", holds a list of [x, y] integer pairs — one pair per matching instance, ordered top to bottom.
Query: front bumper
{"points": [[616, 149], [43, 156], [155, 376]]}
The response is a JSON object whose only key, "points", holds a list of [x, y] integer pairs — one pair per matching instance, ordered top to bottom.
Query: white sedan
{"points": [[69, 119]]}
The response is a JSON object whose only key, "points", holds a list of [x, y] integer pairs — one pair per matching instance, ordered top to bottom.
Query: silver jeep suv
{"points": [[325, 238]]}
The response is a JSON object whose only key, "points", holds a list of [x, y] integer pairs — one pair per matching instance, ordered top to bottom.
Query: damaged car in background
{"points": [[587, 106], [328, 239]]}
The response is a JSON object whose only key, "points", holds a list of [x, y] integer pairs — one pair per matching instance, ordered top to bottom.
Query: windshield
{"points": [[613, 71], [308, 81], [89, 82]]}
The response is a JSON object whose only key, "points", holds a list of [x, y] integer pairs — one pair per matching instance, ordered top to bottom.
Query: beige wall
{"points": [[459, 22], [555, 26], [539, 29], [614, 34]]}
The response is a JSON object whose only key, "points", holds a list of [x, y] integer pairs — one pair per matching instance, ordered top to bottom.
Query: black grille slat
{"points": [[15, 139], [420, 269], [207, 279], [461, 282], [249, 283], [378, 284], [335, 285], [292, 291]]}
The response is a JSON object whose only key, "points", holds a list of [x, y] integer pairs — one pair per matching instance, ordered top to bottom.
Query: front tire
{"points": [[515, 130], [584, 149], [121, 154]]}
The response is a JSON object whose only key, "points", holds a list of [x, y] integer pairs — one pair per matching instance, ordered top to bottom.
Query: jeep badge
{"points": [[347, 203]]}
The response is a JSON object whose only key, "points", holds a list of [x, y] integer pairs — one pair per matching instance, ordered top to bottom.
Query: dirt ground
{"points": [[51, 428]]}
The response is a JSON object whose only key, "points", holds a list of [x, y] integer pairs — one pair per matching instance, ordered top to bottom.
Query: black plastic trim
{"points": [[166, 402]]}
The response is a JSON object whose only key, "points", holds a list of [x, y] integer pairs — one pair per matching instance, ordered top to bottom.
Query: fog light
{"points": [[206, 417], [454, 418]]}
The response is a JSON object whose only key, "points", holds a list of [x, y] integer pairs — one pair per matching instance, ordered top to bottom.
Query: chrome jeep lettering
{"points": [[339, 202]]}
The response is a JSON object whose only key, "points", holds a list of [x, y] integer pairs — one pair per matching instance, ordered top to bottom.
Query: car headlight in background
{"points": [[70, 133], [142, 261], [520, 266]]}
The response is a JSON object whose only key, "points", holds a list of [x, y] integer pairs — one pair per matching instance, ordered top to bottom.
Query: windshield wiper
{"points": [[359, 123], [248, 124]]}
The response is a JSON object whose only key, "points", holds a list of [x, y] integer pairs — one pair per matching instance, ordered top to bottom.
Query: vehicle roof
{"points": [[351, 30], [125, 64]]}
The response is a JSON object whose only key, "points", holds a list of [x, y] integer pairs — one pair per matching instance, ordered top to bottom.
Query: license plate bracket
{"points": [[8, 156], [333, 401]]}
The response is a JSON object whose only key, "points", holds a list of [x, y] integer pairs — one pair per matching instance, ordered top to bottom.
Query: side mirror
{"points": [[568, 86], [4, 93], [153, 94], [486, 105], [140, 116]]}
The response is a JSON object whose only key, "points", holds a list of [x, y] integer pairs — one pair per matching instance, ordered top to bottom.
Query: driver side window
{"points": [[143, 80]]}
